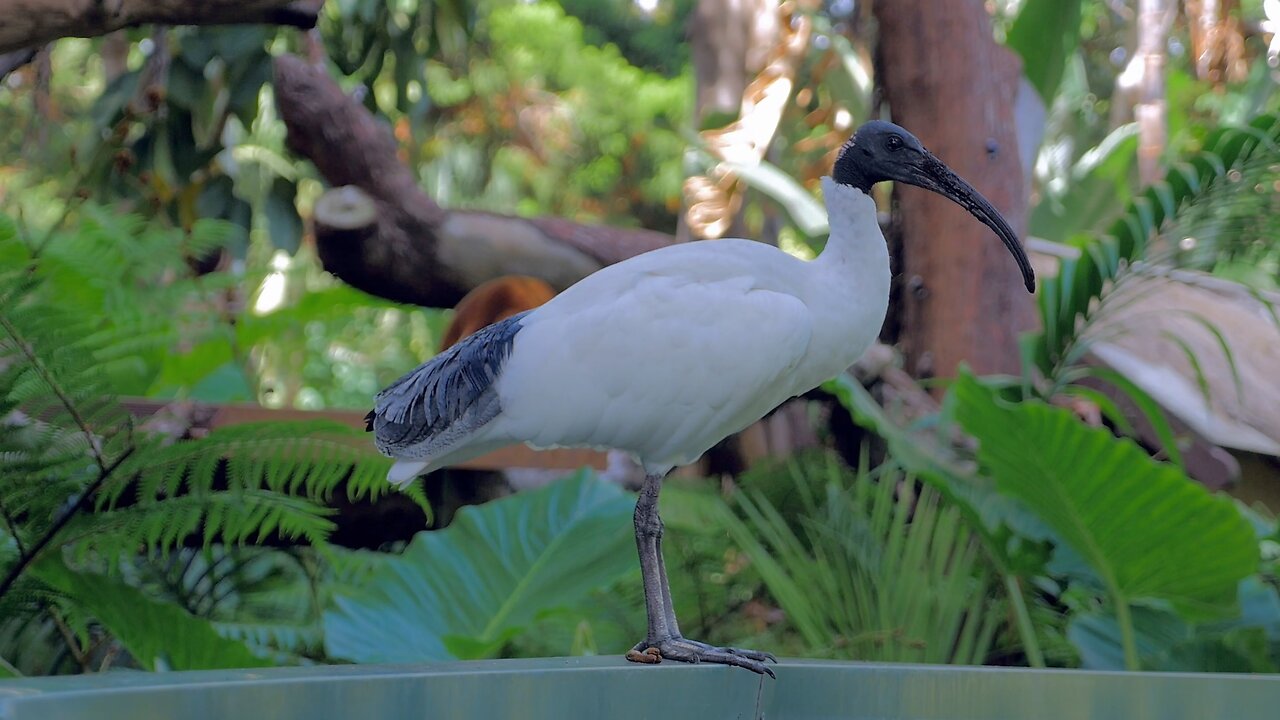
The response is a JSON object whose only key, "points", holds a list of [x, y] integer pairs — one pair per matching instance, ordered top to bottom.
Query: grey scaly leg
{"points": [[663, 639]]}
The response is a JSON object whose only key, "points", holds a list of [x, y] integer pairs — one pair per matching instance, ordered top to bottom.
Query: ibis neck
{"points": [[855, 247], [847, 290]]}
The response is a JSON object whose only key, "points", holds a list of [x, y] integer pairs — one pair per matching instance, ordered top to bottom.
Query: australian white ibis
{"points": [[665, 354]]}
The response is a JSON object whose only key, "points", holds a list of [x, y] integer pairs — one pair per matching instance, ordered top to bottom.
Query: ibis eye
{"points": [[893, 142]]}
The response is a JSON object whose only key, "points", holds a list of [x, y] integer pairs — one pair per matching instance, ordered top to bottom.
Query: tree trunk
{"points": [[1153, 30], [730, 42], [950, 84]]}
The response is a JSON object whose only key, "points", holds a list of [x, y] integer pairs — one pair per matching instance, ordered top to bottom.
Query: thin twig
{"points": [[38, 365], [82, 504], [12, 528], [69, 638], [109, 656]]}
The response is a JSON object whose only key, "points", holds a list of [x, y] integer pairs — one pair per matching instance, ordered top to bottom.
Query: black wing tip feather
{"points": [[433, 395]]}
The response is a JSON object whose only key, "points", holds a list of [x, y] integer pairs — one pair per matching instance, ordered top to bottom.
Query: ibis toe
{"points": [[692, 651]]}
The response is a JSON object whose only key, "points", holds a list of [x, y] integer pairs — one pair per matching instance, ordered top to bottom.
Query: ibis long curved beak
{"points": [[932, 174]]}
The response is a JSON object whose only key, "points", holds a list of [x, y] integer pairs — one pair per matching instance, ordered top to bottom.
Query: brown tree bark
{"points": [[1154, 19], [27, 23], [949, 83], [379, 232]]}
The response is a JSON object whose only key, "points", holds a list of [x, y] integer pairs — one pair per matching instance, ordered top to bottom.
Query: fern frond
{"points": [[311, 458], [239, 516], [284, 643]]}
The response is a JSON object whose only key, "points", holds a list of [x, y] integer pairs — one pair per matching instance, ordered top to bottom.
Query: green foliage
{"points": [[1045, 34], [363, 36], [653, 41], [171, 114], [544, 123], [1096, 190], [1232, 225], [81, 273], [1078, 294], [1068, 298], [326, 345], [276, 477], [81, 478], [1146, 530], [872, 567], [1187, 569], [465, 591], [268, 598], [158, 635], [1168, 642]]}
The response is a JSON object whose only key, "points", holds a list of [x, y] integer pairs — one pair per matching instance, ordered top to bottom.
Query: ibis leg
{"points": [[663, 639]]}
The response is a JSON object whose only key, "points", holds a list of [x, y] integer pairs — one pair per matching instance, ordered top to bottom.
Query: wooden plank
{"points": [[206, 416]]}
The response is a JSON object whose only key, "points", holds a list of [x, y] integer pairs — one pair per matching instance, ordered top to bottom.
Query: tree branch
{"points": [[31, 23], [380, 233], [86, 499]]}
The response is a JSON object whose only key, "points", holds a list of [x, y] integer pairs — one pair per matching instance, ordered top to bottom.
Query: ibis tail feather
{"points": [[437, 409]]}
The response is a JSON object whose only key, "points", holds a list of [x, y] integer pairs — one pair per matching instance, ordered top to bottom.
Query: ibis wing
{"points": [[664, 367], [446, 397]]}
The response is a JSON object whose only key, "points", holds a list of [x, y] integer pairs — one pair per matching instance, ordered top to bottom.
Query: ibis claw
{"points": [[692, 651], [648, 656]]}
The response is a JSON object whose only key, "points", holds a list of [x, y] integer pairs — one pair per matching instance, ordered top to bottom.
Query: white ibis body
{"points": [[667, 353]]}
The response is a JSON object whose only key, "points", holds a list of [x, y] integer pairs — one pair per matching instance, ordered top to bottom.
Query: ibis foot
{"points": [[692, 651]]}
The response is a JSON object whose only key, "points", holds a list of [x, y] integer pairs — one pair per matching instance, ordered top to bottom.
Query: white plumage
{"points": [[669, 352], [665, 354]]}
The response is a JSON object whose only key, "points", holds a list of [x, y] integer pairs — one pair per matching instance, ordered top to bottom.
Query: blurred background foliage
{"points": [[153, 244]]}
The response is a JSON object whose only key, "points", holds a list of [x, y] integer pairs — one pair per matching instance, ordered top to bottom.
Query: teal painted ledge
{"points": [[608, 687]]}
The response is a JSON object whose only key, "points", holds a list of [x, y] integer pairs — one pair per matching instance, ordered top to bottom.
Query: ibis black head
{"points": [[881, 151]]}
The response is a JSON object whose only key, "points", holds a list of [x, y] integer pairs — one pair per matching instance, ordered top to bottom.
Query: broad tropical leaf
{"points": [[1045, 34], [1147, 530], [461, 592], [1169, 643]]}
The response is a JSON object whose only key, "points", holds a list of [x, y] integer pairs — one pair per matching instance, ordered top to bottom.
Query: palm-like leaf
{"points": [[1070, 297], [879, 571]]}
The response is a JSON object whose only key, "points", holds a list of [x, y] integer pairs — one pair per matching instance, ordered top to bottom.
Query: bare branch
{"points": [[31, 23], [380, 233], [83, 503]]}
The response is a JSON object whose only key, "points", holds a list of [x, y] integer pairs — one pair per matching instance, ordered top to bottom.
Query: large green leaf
{"points": [[1045, 33], [1147, 530], [461, 592], [159, 635], [1169, 643]]}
